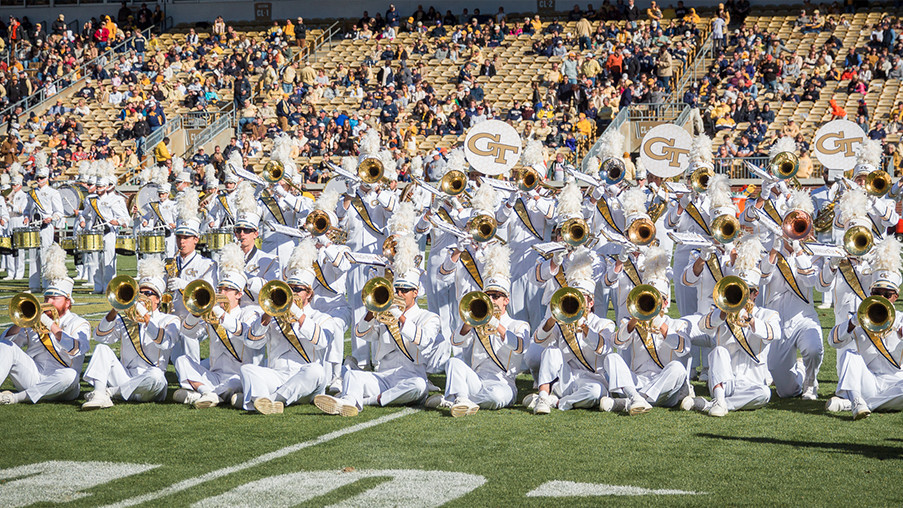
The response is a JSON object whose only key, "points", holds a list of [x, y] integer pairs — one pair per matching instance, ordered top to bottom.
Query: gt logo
{"points": [[841, 145], [492, 147], [668, 152]]}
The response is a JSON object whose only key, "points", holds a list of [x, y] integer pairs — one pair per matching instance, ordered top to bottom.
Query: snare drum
{"points": [[27, 238], [219, 238], [90, 240], [151, 242], [125, 243], [69, 244], [6, 245]]}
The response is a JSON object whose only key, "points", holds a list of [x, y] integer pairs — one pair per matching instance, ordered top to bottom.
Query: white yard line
{"points": [[267, 457]]}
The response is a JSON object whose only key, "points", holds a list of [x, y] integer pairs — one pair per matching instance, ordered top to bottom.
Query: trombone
{"points": [[784, 166], [370, 169], [613, 170], [274, 172], [529, 179], [699, 179], [878, 183], [318, 223], [797, 225], [482, 228], [725, 228], [641, 231], [575, 232], [858, 240], [123, 295], [731, 295], [378, 297], [200, 298], [277, 299], [644, 303], [567, 306], [476, 309], [25, 312], [876, 314]]}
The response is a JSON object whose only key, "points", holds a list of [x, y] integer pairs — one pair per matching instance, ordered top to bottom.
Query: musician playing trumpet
{"points": [[146, 336], [55, 349], [483, 376]]}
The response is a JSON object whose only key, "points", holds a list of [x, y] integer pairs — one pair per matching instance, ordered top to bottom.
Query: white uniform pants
{"points": [[91, 261], [106, 268], [357, 277], [35, 283], [803, 334], [551, 362], [106, 371], [219, 382], [57, 384], [285, 387], [396, 387], [579, 388], [665, 389], [879, 392], [488, 393], [739, 393]]}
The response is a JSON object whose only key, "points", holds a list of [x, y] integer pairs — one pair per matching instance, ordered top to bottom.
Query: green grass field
{"points": [[790, 453]]}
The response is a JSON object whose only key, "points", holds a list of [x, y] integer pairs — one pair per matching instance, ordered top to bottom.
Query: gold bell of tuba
{"points": [[784, 165], [370, 170], [613, 170], [699, 179], [878, 183], [317, 223], [797, 225], [482, 228], [725, 228], [641, 231], [575, 232], [858, 240], [731, 294], [378, 295], [200, 298], [276, 298], [644, 302], [567, 305], [476, 309], [25, 311], [876, 315]]}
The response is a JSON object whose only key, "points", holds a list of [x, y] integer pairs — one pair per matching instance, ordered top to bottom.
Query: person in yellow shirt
{"points": [[692, 17], [537, 24], [111, 28], [289, 30], [591, 67], [547, 112], [585, 125], [161, 152], [805, 165]]}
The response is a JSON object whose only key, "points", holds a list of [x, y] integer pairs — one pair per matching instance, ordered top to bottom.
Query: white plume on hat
{"points": [[370, 142], [611, 144], [785, 144], [701, 151], [282, 152], [869, 152], [533, 153], [40, 159], [234, 161], [456, 161], [349, 164], [178, 165], [591, 165], [417, 166], [390, 167], [15, 168], [210, 176], [719, 192], [485, 200], [801, 200], [327, 201], [570, 201], [245, 202], [633, 202], [188, 205], [853, 205], [402, 219], [406, 251], [749, 253], [886, 256], [231, 259], [55, 263], [656, 264], [299, 269], [497, 269], [151, 272], [579, 273]]}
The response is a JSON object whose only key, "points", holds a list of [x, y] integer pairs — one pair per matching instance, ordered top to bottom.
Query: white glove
{"points": [[783, 188], [766, 189], [511, 201], [456, 204], [796, 246], [707, 252], [558, 257], [623, 257], [834, 262], [176, 284], [140, 309], [219, 312], [297, 312], [395, 312], [742, 316], [46, 320], [657, 322], [493, 323]]}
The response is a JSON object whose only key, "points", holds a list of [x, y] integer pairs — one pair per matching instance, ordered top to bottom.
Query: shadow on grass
{"points": [[868, 451]]}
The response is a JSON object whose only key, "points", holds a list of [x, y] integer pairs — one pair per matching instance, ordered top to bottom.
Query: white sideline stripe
{"points": [[256, 461], [574, 489]]}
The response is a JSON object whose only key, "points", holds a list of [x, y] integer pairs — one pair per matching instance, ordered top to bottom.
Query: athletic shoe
{"points": [[824, 306], [335, 387], [809, 393], [183, 396], [8, 397], [209, 399], [100, 400], [237, 400], [437, 401], [529, 401], [693, 404], [837, 404], [334, 405], [543, 405], [266, 406], [638, 406], [464, 407], [718, 409], [860, 409]]}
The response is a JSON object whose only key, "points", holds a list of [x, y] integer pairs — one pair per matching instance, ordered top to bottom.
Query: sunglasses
{"points": [[244, 231], [299, 289], [404, 290], [148, 293], [495, 296]]}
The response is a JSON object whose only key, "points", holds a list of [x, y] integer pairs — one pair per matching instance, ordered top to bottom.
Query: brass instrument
{"points": [[784, 165], [370, 170], [613, 170], [274, 172], [528, 179], [699, 179], [453, 183], [878, 183], [824, 219], [317, 223], [797, 225], [482, 228], [725, 228], [641, 231], [575, 232], [858, 240], [389, 247], [122, 293], [731, 295], [378, 297], [166, 298], [200, 298], [276, 299], [644, 302], [567, 306], [476, 309], [25, 312], [876, 314]]}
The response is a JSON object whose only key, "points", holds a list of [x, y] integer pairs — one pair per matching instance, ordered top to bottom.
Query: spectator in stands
{"points": [[878, 133], [161, 152], [806, 166]]}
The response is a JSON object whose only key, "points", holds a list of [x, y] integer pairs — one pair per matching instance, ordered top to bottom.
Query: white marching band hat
{"points": [[232, 268], [300, 268]]}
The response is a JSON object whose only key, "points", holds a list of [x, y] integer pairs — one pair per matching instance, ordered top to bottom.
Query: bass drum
{"points": [[73, 198], [125, 243]]}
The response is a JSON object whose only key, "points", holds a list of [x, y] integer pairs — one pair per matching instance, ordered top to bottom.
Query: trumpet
{"points": [[784, 165], [370, 170], [613, 170], [274, 172], [699, 179], [878, 183], [797, 225], [482, 228], [725, 228], [641, 231], [575, 232], [858, 240], [122, 293], [731, 295], [200, 298], [276, 299], [644, 302], [567, 306], [476, 309], [25, 312], [876, 315]]}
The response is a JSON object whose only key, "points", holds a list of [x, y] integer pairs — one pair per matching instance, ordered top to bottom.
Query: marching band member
{"points": [[826, 199], [18, 201], [280, 204], [45, 210], [107, 211], [882, 211], [222, 212], [161, 214], [82, 260], [258, 264], [186, 266], [626, 272], [791, 277], [226, 329], [146, 336], [402, 338], [296, 344], [868, 365], [50, 367], [571, 372], [657, 372], [738, 373], [483, 376]]}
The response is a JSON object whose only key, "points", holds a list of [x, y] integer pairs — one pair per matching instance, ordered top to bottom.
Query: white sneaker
{"points": [[824, 306], [335, 387], [809, 393], [183, 396], [8, 397], [209, 399], [100, 400], [237, 400], [437, 401], [529, 401], [544, 404], [693, 404], [838, 404], [334, 405], [266, 406], [638, 406], [464, 407], [718, 409], [860, 409]]}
